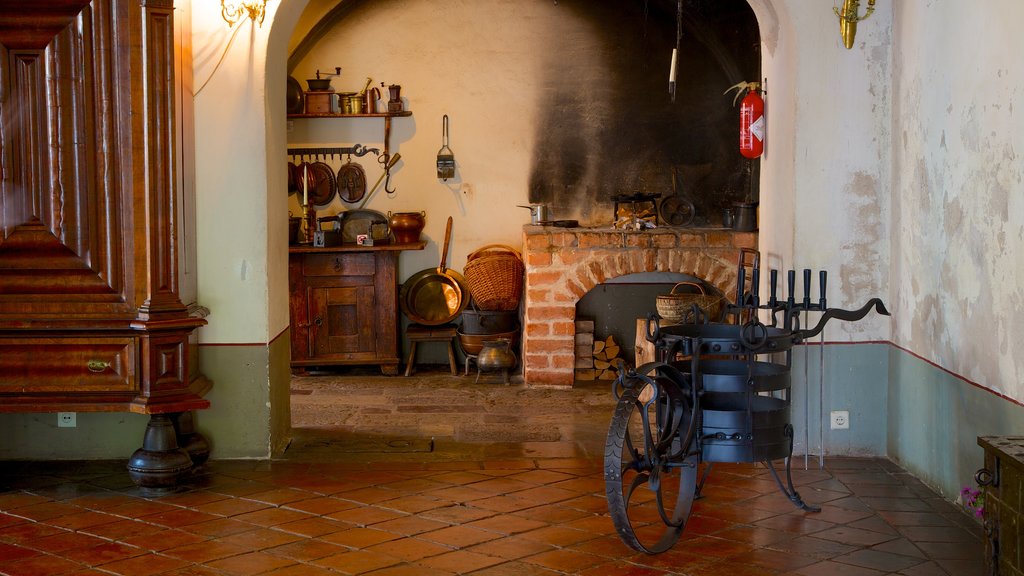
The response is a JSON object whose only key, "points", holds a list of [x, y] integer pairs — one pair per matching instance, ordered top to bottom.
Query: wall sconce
{"points": [[256, 10], [849, 17]]}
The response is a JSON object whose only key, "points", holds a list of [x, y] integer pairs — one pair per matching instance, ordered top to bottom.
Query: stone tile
{"points": [[854, 536], [884, 561], [831, 568]]}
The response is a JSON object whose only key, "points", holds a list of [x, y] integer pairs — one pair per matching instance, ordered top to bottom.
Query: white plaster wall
{"points": [[841, 158], [958, 239], [242, 251]]}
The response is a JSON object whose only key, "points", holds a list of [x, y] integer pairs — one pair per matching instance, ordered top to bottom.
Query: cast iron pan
{"points": [[351, 182], [436, 295]]}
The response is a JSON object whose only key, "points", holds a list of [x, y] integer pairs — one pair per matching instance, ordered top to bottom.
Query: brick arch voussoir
{"points": [[710, 269]]}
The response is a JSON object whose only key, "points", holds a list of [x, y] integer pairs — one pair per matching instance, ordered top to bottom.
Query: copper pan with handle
{"points": [[436, 295]]}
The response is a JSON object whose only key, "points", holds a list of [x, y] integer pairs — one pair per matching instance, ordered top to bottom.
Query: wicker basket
{"points": [[494, 275], [673, 307]]}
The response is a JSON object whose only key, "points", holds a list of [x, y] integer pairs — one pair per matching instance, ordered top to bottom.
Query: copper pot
{"points": [[407, 226]]}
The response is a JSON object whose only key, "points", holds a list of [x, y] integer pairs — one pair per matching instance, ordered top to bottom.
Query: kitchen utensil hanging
{"points": [[445, 156], [387, 172], [305, 177], [294, 179], [351, 182], [323, 186]]}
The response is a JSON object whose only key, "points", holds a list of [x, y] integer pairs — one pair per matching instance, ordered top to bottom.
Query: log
{"points": [[598, 346], [644, 351], [611, 352], [602, 364], [586, 374], [607, 375]]}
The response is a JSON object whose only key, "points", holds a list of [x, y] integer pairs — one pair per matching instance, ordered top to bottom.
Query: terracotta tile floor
{"points": [[346, 500]]}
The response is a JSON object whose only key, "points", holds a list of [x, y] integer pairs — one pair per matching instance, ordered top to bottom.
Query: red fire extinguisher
{"points": [[752, 128]]}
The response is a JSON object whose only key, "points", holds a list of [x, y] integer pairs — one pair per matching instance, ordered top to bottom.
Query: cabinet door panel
{"points": [[63, 157], [343, 322]]}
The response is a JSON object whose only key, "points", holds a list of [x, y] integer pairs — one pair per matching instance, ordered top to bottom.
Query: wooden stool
{"points": [[419, 333]]}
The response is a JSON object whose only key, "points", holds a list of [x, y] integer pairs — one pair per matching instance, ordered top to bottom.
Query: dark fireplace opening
{"points": [[615, 305]]}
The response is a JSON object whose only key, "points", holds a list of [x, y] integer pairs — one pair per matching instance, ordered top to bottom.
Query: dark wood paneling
{"points": [[90, 312]]}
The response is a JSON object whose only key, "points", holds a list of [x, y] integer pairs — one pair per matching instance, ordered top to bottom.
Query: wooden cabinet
{"points": [[344, 305], [91, 317], [1002, 480]]}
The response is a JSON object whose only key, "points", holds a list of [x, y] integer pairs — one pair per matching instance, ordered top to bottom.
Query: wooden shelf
{"points": [[375, 115], [387, 116]]}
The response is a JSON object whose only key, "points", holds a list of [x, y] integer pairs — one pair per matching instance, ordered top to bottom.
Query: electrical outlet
{"points": [[66, 420], [840, 420]]}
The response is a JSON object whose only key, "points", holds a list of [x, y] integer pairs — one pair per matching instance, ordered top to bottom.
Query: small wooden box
{"points": [[320, 103]]}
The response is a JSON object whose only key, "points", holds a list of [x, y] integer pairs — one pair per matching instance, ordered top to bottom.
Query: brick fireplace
{"points": [[563, 264]]}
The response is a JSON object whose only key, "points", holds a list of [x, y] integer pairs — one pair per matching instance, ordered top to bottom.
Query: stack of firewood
{"points": [[585, 350], [606, 358], [595, 359]]}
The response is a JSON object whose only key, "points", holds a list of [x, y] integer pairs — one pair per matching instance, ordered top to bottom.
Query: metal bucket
{"points": [[489, 321]]}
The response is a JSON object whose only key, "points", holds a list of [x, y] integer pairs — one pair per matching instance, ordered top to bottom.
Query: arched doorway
{"points": [[288, 17]]}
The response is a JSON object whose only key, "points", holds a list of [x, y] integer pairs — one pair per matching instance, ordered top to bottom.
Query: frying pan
{"points": [[322, 186], [435, 295]]}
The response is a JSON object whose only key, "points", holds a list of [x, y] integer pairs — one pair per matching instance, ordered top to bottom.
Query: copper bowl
{"points": [[472, 344]]}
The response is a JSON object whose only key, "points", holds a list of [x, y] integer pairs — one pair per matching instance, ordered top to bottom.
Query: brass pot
{"points": [[350, 102], [406, 226], [496, 355]]}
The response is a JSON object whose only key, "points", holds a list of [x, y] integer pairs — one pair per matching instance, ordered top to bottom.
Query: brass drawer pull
{"points": [[97, 365]]}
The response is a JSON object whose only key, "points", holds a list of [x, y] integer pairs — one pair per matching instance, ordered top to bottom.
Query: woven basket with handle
{"points": [[494, 274], [674, 306]]}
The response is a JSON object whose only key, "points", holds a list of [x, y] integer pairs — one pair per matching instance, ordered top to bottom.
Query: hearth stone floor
{"points": [[435, 475]]}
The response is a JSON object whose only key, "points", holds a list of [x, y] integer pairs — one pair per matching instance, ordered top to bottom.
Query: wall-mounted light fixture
{"points": [[256, 10], [849, 17]]}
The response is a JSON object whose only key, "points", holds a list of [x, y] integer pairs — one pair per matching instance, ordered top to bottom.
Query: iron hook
{"points": [[387, 180]]}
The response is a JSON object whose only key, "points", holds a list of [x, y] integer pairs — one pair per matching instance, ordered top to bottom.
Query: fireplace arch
{"points": [[564, 264]]}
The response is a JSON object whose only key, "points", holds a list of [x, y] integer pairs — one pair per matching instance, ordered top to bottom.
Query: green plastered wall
{"points": [[855, 380], [249, 404], [935, 419], [98, 435]]}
